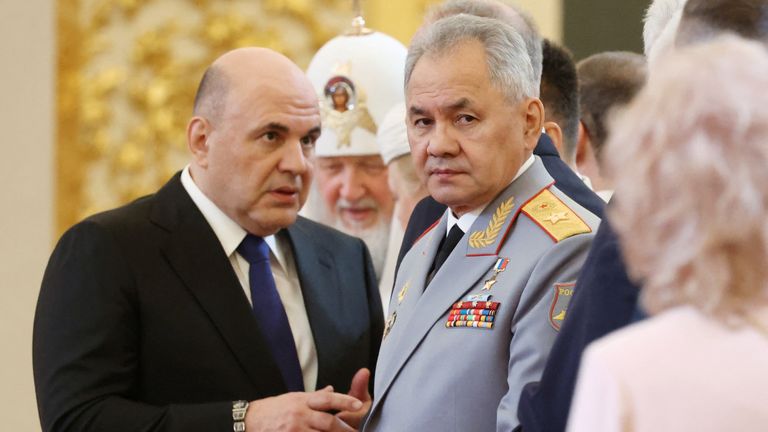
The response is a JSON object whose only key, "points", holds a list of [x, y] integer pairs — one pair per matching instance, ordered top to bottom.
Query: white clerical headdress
{"points": [[358, 78], [392, 136]]}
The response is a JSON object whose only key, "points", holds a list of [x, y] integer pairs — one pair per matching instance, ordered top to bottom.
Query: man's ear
{"points": [[534, 121], [553, 130], [198, 131], [583, 147]]}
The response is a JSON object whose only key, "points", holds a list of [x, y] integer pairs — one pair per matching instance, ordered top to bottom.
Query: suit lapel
{"points": [[196, 255], [321, 292]]}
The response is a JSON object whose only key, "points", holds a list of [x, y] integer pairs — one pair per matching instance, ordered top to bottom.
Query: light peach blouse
{"points": [[679, 371]]}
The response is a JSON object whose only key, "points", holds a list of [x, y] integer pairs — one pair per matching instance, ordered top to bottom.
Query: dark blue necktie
{"points": [[269, 311]]}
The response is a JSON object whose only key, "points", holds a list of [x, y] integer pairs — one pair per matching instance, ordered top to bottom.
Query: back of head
{"points": [[502, 11], [704, 19], [509, 66], [607, 81], [560, 93], [691, 154]]}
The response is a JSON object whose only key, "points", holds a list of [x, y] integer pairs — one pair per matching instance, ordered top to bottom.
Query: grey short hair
{"points": [[504, 12], [509, 66]]}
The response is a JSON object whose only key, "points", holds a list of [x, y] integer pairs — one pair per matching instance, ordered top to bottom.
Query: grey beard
{"points": [[376, 239]]}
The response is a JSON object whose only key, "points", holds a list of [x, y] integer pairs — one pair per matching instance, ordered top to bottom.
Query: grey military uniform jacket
{"points": [[455, 356]]}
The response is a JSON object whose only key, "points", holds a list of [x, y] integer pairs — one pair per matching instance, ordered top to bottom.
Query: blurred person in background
{"points": [[358, 78], [607, 81], [559, 92], [696, 136], [405, 184]]}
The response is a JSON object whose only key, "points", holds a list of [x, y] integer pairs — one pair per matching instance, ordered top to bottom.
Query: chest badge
{"points": [[500, 266], [403, 291], [473, 313], [389, 323]]}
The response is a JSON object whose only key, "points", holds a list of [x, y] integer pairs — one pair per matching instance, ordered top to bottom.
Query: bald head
{"points": [[502, 11], [704, 19], [250, 66], [255, 126]]}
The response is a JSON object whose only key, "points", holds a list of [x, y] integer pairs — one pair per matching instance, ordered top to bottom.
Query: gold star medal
{"points": [[500, 266]]}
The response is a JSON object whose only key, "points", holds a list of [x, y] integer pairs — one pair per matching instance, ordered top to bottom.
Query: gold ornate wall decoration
{"points": [[128, 70], [127, 73]]}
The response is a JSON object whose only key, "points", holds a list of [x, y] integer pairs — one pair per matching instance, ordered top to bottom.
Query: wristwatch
{"points": [[238, 415]]}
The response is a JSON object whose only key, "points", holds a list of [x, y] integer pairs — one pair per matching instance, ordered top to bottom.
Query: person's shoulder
{"points": [[560, 216], [127, 220], [127, 223], [642, 342]]}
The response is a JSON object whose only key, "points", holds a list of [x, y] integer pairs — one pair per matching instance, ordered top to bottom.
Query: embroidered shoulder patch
{"points": [[554, 216], [560, 300]]}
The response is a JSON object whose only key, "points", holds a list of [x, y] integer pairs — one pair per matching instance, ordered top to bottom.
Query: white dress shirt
{"points": [[230, 234]]}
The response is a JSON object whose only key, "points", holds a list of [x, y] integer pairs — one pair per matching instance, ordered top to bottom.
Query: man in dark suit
{"points": [[209, 306]]}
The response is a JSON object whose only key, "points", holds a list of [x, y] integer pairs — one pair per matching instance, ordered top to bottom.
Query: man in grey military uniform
{"points": [[479, 298]]}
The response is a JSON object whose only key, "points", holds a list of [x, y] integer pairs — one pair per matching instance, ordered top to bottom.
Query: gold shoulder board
{"points": [[554, 216]]}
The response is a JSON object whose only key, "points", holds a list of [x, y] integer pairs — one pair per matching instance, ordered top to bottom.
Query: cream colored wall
{"points": [[548, 14], [400, 18], [26, 198]]}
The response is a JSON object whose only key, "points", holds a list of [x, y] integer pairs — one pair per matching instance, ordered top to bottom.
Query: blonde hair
{"points": [[690, 157]]}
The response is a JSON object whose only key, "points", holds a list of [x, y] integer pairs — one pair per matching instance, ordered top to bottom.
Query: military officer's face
{"points": [[466, 138]]}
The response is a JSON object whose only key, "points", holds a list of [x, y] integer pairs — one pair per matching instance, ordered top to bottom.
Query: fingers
{"points": [[359, 386], [323, 400]]}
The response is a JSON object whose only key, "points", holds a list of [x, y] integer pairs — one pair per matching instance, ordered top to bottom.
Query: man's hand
{"points": [[359, 390], [300, 412]]}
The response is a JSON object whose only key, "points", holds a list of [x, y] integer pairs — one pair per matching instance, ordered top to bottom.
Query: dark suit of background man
{"points": [[144, 321]]}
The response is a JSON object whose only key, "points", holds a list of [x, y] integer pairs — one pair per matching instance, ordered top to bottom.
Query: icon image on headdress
{"points": [[340, 94], [343, 108]]}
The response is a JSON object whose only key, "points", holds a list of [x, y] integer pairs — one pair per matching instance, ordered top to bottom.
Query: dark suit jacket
{"points": [[427, 211], [604, 300], [142, 325]]}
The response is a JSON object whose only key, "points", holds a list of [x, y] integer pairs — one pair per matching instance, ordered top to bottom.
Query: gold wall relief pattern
{"points": [[128, 70], [127, 73]]}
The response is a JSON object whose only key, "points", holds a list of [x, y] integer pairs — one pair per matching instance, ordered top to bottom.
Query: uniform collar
{"points": [[466, 220]]}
